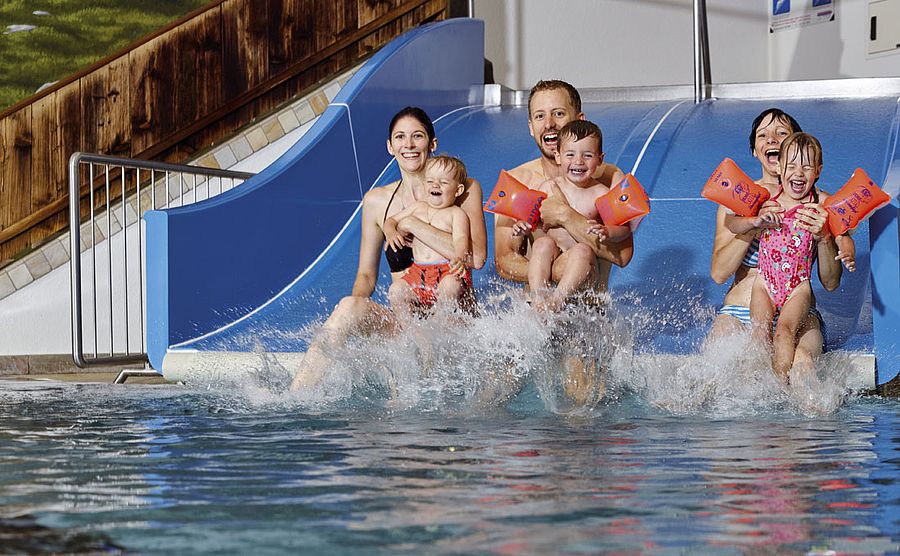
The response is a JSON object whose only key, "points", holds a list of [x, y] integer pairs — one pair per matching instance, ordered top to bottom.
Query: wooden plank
{"points": [[370, 11], [291, 30], [244, 53], [198, 72], [152, 102], [68, 136], [115, 137], [16, 141], [43, 190]]}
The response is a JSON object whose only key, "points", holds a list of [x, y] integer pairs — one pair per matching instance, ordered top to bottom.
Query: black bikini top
{"points": [[401, 259]]}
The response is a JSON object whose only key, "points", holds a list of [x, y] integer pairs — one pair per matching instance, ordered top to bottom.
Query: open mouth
{"points": [[550, 139], [411, 155], [772, 156], [577, 172], [798, 186]]}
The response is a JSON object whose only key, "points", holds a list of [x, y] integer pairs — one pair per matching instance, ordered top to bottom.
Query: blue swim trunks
{"points": [[743, 314]]}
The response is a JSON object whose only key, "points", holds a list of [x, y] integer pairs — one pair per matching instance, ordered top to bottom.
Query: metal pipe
{"points": [[471, 8], [702, 72], [128, 252], [124, 255], [75, 258], [93, 259], [140, 263], [109, 264]]}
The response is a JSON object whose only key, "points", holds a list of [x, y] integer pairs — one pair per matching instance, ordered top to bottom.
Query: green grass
{"points": [[76, 34]]}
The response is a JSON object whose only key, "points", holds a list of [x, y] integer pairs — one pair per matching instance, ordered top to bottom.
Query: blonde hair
{"points": [[803, 142], [451, 163]]}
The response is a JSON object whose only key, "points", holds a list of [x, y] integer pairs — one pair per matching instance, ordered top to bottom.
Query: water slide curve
{"points": [[244, 271]]}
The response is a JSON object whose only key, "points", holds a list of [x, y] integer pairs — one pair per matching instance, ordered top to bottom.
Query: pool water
{"points": [[681, 457]]}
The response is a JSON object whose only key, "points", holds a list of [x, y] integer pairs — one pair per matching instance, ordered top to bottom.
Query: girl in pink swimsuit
{"points": [[786, 255], [782, 293]]}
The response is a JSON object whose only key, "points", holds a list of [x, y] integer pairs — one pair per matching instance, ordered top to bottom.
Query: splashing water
{"points": [[578, 362], [732, 376]]}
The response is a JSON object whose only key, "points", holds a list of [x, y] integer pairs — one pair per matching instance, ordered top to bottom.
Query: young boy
{"points": [[555, 255], [433, 277]]}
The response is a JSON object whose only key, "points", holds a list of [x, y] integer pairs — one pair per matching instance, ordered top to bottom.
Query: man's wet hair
{"points": [[552, 85], [416, 113], [776, 114], [579, 129], [455, 165]]}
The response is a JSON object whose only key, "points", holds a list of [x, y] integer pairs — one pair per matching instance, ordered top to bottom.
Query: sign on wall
{"points": [[794, 14]]}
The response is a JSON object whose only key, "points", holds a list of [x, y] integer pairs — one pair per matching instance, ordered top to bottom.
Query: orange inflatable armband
{"points": [[732, 188], [511, 198], [854, 202], [623, 203]]}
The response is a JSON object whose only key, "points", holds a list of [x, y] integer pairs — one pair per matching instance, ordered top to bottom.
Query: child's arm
{"points": [[770, 216], [743, 224], [521, 229], [609, 233], [461, 241], [846, 251]]}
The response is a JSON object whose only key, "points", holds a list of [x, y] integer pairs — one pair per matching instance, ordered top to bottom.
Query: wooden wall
{"points": [[180, 91]]}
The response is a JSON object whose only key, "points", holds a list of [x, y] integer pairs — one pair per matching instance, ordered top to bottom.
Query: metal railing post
{"points": [[702, 72]]}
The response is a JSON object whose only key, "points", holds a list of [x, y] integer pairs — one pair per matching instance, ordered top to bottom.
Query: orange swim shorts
{"points": [[424, 279]]}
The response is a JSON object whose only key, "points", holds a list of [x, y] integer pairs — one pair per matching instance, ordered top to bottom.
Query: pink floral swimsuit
{"points": [[785, 257]]}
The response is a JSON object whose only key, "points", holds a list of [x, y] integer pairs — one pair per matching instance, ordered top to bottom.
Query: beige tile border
{"points": [[55, 252]]}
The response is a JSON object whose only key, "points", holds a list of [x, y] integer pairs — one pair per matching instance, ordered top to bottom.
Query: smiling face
{"points": [[548, 112], [769, 135], [409, 144], [579, 158], [800, 170], [442, 184]]}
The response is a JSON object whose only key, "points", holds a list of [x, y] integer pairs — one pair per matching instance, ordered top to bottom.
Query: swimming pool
{"points": [[180, 470]]}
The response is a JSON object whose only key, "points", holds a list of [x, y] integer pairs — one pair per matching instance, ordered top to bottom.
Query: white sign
{"points": [[794, 14]]}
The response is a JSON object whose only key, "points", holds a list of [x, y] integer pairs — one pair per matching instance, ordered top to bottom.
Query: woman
{"points": [[411, 138], [737, 254]]}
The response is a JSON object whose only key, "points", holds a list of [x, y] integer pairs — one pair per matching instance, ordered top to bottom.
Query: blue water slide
{"points": [[214, 263], [247, 270]]}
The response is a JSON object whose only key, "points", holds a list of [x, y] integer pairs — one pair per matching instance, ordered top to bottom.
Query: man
{"points": [[551, 105]]}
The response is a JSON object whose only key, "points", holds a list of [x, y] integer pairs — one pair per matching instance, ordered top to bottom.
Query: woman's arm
{"points": [[472, 205], [461, 235], [369, 248], [728, 249]]}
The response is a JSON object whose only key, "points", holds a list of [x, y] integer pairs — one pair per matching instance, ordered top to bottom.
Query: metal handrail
{"points": [[702, 72], [124, 174]]}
